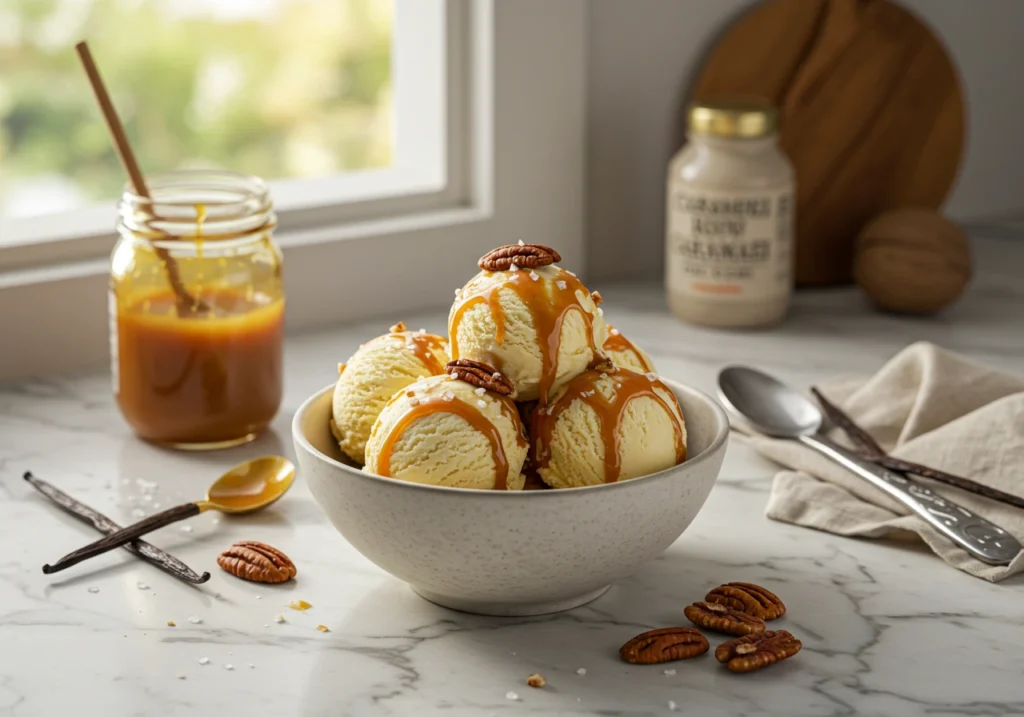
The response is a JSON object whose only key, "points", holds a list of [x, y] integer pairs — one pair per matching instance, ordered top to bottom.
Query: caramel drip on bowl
{"points": [[548, 306], [619, 343], [610, 413], [472, 416]]}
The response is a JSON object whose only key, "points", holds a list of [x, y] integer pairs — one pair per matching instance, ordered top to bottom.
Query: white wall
{"points": [[643, 54]]}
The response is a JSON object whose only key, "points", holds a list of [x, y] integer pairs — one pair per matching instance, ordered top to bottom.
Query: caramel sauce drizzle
{"points": [[548, 306], [619, 343], [423, 347], [609, 413], [472, 416]]}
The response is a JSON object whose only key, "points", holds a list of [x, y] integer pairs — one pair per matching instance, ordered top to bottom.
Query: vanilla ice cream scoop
{"points": [[538, 325], [625, 354], [376, 372], [607, 426], [446, 432]]}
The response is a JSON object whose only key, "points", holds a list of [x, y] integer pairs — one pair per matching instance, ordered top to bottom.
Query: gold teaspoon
{"points": [[248, 487]]}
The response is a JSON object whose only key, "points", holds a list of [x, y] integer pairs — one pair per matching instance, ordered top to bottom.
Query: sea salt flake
{"points": [[520, 242], [513, 267], [570, 273], [535, 276], [561, 284], [456, 292], [600, 311], [422, 331], [613, 332], [495, 375], [604, 375], [651, 376], [480, 391], [448, 396], [414, 401], [482, 404], [186, 529], [141, 585], [94, 590], [259, 597], [279, 619], [196, 620], [204, 660], [228, 666], [252, 666], [581, 671], [670, 672], [181, 675], [510, 695], [671, 706]]}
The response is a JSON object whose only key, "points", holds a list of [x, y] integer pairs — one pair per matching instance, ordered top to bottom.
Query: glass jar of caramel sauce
{"points": [[197, 310]]}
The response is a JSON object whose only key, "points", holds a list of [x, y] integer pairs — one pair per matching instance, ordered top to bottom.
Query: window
{"points": [[300, 92], [484, 101]]}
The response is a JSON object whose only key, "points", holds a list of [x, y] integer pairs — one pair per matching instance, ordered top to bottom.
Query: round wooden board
{"points": [[871, 107]]}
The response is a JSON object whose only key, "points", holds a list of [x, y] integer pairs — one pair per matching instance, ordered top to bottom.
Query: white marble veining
{"points": [[887, 628]]}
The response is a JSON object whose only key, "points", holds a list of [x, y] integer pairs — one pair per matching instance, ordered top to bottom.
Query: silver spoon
{"points": [[776, 410]]}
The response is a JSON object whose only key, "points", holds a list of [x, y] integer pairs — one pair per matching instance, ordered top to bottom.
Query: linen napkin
{"points": [[929, 406]]}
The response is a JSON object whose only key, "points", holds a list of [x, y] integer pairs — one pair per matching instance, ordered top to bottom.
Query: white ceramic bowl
{"points": [[515, 552]]}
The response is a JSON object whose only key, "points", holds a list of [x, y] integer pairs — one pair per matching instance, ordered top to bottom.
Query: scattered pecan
{"points": [[522, 256], [597, 298], [398, 328], [480, 375], [257, 562], [749, 598], [720, 618], [664, 645], [752, 652], [536, 680]]}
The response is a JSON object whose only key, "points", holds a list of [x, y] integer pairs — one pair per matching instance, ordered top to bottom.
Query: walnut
{"points": [[521, 256], [480, 375], [257, 562], [749, 598], [720, 618], [664, 645], [752, 652]]}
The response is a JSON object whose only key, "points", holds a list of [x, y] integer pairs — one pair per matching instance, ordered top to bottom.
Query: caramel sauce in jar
{"points": [[206, 372]]}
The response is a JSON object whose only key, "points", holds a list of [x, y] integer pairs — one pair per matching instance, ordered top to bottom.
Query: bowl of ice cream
{"points": [[519, 465]]}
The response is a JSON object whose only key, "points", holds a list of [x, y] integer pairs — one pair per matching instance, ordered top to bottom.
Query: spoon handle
{"points": [[125, 535], [983, 539]]}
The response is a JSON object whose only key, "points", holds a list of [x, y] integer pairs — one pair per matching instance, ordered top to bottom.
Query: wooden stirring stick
{"points": [[186, 302]]}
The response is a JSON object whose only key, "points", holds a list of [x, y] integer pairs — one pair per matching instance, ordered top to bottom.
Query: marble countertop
{"points": [[887, 628]]}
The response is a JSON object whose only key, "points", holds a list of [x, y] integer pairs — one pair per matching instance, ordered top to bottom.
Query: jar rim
{"points": [[197, 204]]}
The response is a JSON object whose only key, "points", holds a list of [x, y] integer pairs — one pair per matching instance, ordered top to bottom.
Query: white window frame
{"points": [[513, 142]]}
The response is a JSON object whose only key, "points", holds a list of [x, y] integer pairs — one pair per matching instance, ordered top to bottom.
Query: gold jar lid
{"points": [[734, 117]]}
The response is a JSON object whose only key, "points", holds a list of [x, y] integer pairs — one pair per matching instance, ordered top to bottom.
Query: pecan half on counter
{"points": [[521, 256], [480, 375], [257, 562], [749, 598], [720, 618], [665, 645], [746, 654]]}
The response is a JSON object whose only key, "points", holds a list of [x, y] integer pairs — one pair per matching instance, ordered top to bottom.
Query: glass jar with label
{"points": [[729, 228], [197, 310]]}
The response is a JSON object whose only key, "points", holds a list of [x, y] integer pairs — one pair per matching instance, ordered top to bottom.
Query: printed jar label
{"points": [[735, 246]]}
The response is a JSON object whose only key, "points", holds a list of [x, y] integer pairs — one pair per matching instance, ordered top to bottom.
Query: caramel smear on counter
{"points": [[549, 301], [618, 343], [423, 346], [630, 385], [472, 416]]}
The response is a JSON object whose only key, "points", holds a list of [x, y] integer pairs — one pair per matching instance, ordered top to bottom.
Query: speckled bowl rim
{"points": [[721, 436]]}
